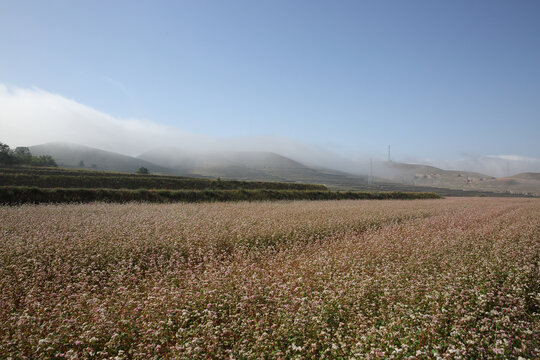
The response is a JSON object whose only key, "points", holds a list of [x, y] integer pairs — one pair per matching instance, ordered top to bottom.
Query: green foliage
{"points": [[6, 155], [23, 156], [43, 160], [142, 170]]}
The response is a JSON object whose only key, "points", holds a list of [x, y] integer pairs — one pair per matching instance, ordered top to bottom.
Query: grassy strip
{"points": [[53, 178], [148, 182], [20, 195]]}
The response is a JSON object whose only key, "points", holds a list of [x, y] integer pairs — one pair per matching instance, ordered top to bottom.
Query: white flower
{"points": [[44, 341]]}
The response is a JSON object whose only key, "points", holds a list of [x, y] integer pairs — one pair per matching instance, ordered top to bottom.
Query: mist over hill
{"points": [[53, 117], [249, 165], [270, 166]]}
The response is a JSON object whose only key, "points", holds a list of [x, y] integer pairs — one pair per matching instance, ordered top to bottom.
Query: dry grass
{"points": [[454, 278]]}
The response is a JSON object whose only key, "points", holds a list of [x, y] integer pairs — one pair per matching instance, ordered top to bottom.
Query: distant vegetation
{"points": [[23, 156], [143, 171], [22, 184]]}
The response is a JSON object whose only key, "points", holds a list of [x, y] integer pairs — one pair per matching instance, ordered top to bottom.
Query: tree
{"points": [[6, 155], [23, 155], [43, 160], [81, 163], [143, 170]]}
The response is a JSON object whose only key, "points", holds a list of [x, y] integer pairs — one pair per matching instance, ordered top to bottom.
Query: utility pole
{"points": [[389, 158], [370, 179]]}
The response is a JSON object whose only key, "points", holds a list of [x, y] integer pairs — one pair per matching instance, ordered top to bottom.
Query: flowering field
{"points": [[453, 278]]}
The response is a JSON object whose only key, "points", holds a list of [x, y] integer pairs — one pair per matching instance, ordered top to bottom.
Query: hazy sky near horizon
{"points": [[434, 79]]}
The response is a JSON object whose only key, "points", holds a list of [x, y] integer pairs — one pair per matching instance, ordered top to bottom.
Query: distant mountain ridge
{"points": [[268, 166]]}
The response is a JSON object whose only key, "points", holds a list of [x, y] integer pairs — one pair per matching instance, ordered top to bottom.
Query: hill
{"points": [[70, 155], [242, 166], [260, 166], [272, 167], [425, 175], [527, 176], [520, 183]]}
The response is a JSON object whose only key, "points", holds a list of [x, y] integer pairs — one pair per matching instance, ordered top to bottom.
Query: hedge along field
{"points": [[69, 178], [21, 195], [453, 278]]}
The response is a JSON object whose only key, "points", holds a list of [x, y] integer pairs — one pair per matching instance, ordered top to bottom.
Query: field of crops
{"points": [[452, 278]]}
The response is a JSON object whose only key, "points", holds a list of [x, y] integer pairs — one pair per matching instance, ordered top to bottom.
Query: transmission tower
{"points": [[370, 178]]}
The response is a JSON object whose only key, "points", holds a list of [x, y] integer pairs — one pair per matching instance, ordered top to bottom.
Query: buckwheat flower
{"points": [[45, 341]]}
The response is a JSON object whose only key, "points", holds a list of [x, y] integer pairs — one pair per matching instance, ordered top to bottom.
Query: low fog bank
{"points": [[34, 116]]}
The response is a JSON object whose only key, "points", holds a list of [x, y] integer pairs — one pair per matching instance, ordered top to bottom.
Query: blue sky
{"points": [[434, 79]]}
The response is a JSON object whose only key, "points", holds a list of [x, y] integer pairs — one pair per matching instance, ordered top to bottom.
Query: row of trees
{"points": [[23, 156]]}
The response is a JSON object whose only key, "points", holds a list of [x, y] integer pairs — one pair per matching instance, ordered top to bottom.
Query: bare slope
{"points": [[423, 175], [527, 176], [520, 183]]}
